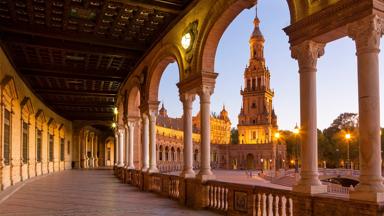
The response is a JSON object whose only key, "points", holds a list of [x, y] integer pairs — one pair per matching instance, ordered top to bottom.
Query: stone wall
{"points": [[27, 109]]}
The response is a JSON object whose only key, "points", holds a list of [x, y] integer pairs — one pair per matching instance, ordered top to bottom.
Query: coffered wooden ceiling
{"points": [[74, 54]]}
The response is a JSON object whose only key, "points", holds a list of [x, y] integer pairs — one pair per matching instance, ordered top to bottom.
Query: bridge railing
{"points": [[240, 199]]}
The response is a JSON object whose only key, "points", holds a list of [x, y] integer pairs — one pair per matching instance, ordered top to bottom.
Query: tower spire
{"points": [[256, 12]]}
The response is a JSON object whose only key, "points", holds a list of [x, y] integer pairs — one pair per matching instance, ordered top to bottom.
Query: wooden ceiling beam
{"points": [[160, 5], [66, 37], [49, 43], [35, 72], [76, 92], [76, 104]]}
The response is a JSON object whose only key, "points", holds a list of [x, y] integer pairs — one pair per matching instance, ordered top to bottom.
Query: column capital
{"points": [[366, 33], [307, 53], [205, 93], [187, 97], [131, 124], [121, 130]]}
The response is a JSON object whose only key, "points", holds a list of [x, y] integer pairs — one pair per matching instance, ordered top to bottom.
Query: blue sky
{"points": [[336, 76]]}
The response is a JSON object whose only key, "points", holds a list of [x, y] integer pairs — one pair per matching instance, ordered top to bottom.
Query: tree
{"points": [[234, 136], [332, 143]]}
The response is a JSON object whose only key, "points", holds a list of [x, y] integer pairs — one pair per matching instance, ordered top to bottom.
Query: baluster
{"points": [[210, 196], [215, 197], [220, 198], [226, 198], [254, 202], [264, 204], [270, 204], [259, 205], [267, 205], [281, 206], [289, 206], [274, 207]]}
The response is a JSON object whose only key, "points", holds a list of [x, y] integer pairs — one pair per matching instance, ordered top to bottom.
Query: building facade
{"points": [[169, 137]]}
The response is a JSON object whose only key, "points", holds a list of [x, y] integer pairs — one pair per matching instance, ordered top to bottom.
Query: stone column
{"points": [[367, 33], [307, 54], [187, 100], [205, 115], [145, 123], [131, 128], [152, 142], [126, 145], [116, 147], [121, 148], [86, 150], [96, 150], [91, 160]]}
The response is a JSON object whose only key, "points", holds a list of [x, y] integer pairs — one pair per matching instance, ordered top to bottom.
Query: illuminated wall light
{"points": [[186, 40], [115, 111], [113, 125]]}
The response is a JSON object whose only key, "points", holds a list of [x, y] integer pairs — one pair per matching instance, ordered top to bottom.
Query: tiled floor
{"points": [[88, 192]]}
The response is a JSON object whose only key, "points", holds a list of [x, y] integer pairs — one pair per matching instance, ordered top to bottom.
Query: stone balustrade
{"points": [[239, 199]]}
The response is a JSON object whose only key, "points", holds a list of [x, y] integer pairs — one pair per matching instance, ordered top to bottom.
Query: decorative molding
{"points": [[192, 29], [367, 33], [307, 54]]}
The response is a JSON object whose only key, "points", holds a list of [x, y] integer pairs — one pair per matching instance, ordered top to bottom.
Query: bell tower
{"points": [[257, 119]]}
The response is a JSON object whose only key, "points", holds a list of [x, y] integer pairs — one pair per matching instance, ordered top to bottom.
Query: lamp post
{"points": [[296, 132], [277, 136], [348, 138], [262, 164]]}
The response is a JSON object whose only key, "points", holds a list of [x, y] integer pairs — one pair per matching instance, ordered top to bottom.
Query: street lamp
{"points": [[296, 132], [277, 135], [348, 138], [262, 164]]}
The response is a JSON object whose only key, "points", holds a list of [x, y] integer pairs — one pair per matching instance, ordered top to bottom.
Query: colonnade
{"points": [[366, 33], [125, 137], [90, 148]]}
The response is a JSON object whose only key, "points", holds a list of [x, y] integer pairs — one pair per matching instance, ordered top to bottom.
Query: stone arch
{"points": [[222, 14], [166, 55], [9, 94], [133, 101], [27, 107], [121, 109], [161, 150], [109, 153], [166, 153], [250, 161]]}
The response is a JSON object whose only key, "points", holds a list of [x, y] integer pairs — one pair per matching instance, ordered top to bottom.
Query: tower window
{"points": [[253, 105]]}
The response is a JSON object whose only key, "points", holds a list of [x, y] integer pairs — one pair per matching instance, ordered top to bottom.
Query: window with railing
{"points": [[39, 134], [7, 136], [25, 142], [62, 143], [50, 147], [68, 147], [108, 153]]}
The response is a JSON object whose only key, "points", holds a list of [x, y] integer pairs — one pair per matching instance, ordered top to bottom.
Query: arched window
{"points": [[161, 153], [166, 153]]}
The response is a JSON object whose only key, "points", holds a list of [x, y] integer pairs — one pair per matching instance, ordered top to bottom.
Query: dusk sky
{"points": [[336, 76]]}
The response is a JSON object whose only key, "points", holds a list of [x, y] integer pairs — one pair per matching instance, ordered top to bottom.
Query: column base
{"points": [[120, 165], [131, 167], [144, 169], [153, 170], [188, 174], [203, 177], [310, 189], [372, 191], [370, 196]]}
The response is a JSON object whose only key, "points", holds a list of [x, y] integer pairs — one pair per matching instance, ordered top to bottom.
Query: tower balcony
{"points": [[261, 89]]}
